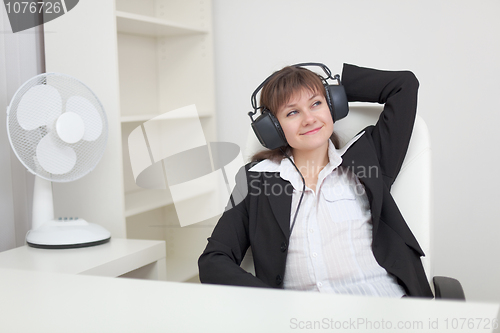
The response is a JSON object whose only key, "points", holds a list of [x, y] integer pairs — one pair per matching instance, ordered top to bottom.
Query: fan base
{"points": [[67, 235]]}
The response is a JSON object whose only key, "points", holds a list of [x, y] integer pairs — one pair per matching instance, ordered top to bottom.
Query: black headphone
{"points": [[268, 129]]}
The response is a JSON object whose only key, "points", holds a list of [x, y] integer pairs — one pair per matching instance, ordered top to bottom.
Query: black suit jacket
{"points": [[261, 219]]}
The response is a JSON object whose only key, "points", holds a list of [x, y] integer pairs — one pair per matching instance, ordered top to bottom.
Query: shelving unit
{"points": [[164, 51]]}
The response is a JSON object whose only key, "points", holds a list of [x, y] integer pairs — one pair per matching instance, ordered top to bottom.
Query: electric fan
{"points": [[58, 129]]}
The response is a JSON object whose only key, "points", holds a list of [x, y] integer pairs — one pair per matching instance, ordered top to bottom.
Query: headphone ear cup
{"points": [[337, 101], [268, 130]]}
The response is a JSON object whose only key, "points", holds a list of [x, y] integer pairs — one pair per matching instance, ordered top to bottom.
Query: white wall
{"points": [[452, 46]]}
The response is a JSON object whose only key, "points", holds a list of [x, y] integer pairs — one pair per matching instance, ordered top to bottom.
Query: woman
{"points": [[347, 235]]}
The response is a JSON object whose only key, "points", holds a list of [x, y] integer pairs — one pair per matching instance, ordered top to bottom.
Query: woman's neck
{"points": [[310, 163]]}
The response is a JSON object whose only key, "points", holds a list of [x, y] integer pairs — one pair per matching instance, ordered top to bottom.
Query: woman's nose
{"points": [[308, 117]]}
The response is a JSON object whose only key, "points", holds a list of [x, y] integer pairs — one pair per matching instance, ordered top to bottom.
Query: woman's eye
{"points": [[317, 103], [291, 113]]}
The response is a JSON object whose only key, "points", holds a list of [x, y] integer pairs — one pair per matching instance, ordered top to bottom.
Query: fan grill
{"points": [[27, 128]]}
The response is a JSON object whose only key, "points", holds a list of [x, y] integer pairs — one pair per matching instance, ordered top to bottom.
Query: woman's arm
{"points": [[398, 91], [220, 262]]}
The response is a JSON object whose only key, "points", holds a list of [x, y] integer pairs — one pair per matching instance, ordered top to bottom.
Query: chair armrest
{"points": [[448, 288]]}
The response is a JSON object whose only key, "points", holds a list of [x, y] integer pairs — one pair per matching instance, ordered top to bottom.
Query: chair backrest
{"points": [[412, 188]]}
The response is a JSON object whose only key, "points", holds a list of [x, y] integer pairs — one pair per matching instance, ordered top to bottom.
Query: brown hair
{"points": [[282, 85]]}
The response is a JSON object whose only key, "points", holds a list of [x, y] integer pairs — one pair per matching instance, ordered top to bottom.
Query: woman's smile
{"points": [[313, 131]]}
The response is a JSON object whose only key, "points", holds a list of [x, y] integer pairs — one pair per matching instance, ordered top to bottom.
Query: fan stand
{"points": [[49, 233]]}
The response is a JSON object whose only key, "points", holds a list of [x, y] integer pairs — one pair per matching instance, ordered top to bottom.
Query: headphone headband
{"points": [[305, 64]]}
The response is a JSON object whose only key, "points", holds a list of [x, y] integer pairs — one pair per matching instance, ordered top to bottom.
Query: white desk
{"points": [[118, 257], [48, 302]]}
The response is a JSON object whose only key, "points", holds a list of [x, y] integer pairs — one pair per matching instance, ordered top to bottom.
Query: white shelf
{"points": [[150, 26], [145, 117], [137, 118], [146, 200]]}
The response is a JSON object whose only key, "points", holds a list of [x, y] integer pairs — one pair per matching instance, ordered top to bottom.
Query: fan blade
{"points": [[40, 105], [90, 115], [54, 157]]}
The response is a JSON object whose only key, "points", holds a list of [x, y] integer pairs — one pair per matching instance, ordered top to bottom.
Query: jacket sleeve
{"points": [[398, 91], [220, 262]]}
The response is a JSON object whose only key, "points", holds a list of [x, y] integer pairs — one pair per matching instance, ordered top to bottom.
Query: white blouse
{"points": [[330, 245]]}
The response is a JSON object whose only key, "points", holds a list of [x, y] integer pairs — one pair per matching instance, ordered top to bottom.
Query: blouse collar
{"points": [[288, 172]]}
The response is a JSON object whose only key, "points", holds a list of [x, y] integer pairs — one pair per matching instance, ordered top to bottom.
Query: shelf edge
{"points": [[153, 21], [144, 118]]}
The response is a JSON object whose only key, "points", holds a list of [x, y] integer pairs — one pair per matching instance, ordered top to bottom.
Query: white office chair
{"points": [[411, 190]]}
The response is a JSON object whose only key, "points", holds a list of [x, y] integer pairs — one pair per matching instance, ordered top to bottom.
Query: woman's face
{"points": [[306, 121]]}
